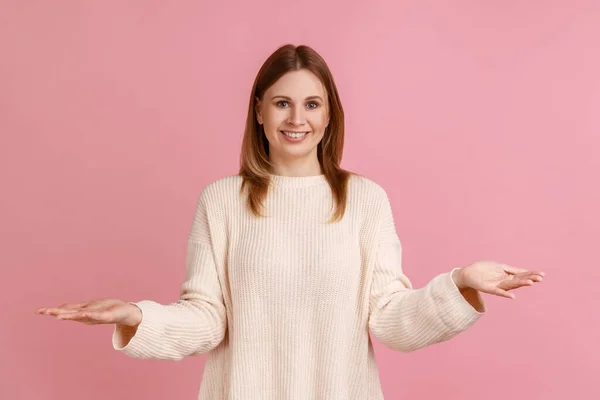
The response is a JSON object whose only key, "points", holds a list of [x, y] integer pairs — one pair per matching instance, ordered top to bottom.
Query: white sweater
{"points": [[284, 304]]}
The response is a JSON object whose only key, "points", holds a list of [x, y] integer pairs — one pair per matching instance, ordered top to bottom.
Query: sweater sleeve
{"points": [[406, 319], [196, 322]]}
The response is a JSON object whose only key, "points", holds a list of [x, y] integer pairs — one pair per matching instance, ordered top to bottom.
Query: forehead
{"points": [[301, 84]]}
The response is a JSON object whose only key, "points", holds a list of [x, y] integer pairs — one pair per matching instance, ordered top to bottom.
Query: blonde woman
{"points": [[293, 261]]}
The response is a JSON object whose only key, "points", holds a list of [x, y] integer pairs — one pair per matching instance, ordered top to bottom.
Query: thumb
{"points": [[495, 290]]}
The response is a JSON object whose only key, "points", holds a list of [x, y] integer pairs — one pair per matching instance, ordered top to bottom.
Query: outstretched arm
{"points": [[404, 318], [197, 322]]}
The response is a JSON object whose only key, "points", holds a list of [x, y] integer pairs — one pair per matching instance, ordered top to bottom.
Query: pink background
{"points": [[480, 119]]}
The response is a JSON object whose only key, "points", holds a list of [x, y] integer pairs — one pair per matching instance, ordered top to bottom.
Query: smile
{"points": [[294, 135]]}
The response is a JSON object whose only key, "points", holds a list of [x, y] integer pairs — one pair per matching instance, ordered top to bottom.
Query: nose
{"points": [[297, 116]]}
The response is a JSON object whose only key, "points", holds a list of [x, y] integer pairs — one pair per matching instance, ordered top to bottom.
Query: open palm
{"points": [[497, 278], [103, 311]]}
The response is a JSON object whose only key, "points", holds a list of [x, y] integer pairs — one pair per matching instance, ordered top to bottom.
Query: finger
{"points": [[514, 270], [530, 273], [539, 273], [534, 276], [524, 282], [515, 283], [500, 292], [74, 306], [64, 307], [47, 310], [51, 311], [58, 311], [69, 316], [81, 316], [78, 317], [101, 317]]}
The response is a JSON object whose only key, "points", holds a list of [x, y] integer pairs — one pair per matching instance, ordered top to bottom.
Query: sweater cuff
{"points": [[458, 313], [143, 341]]}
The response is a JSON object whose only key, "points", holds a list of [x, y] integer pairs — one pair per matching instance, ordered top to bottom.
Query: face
{"points": [[294, 114]]}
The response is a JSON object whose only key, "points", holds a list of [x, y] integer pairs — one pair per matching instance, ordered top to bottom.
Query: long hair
{"points": [[255, 165]]}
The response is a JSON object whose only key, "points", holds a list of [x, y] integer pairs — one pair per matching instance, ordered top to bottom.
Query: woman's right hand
{"points": [[104, 311]]}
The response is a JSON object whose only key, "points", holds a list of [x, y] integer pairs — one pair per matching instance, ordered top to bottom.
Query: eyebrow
{"points": [[290, 99]]}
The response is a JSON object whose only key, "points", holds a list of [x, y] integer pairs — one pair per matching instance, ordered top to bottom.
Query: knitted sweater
{"points": [[284, 304]]}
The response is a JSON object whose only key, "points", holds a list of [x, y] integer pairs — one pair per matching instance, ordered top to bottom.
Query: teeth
{"points": [[294, 135]]}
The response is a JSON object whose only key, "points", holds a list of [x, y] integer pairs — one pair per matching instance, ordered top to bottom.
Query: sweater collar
{"points": [[297, 181]]}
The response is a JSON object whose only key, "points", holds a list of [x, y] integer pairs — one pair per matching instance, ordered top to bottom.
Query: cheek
{"points": [[273, 121], [269, 122], [319, 123], [271, 128]]}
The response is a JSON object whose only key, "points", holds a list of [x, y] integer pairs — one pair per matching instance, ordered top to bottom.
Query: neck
{"points": [[297, 167]]}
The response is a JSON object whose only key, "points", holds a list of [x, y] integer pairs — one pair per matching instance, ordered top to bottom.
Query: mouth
{"points": [[294, 135]]}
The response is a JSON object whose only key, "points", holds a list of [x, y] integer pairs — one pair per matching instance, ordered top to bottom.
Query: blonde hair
{"points": [[255, 165]]}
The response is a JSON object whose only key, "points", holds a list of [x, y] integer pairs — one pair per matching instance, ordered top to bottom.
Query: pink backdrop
{"points": [[481, 119]]}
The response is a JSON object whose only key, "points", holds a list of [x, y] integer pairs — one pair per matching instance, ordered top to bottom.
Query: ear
{"points": [[257, 111]]}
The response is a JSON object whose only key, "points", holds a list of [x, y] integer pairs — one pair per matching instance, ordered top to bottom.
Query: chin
{"points": [[297, 152]]}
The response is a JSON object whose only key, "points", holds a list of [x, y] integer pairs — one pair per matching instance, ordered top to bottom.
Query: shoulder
{"points": [[224, 185], [366, 190], [221, 191], [369, 202]]}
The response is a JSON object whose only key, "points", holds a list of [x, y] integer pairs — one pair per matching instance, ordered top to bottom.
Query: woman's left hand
{"points": [[495, 278]]}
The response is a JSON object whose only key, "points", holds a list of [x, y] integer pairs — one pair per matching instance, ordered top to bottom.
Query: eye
{"points": [[279, 102], [315, 104]]}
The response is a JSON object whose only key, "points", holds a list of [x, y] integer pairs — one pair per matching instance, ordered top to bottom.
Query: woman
{"points": [[292, 262]]}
